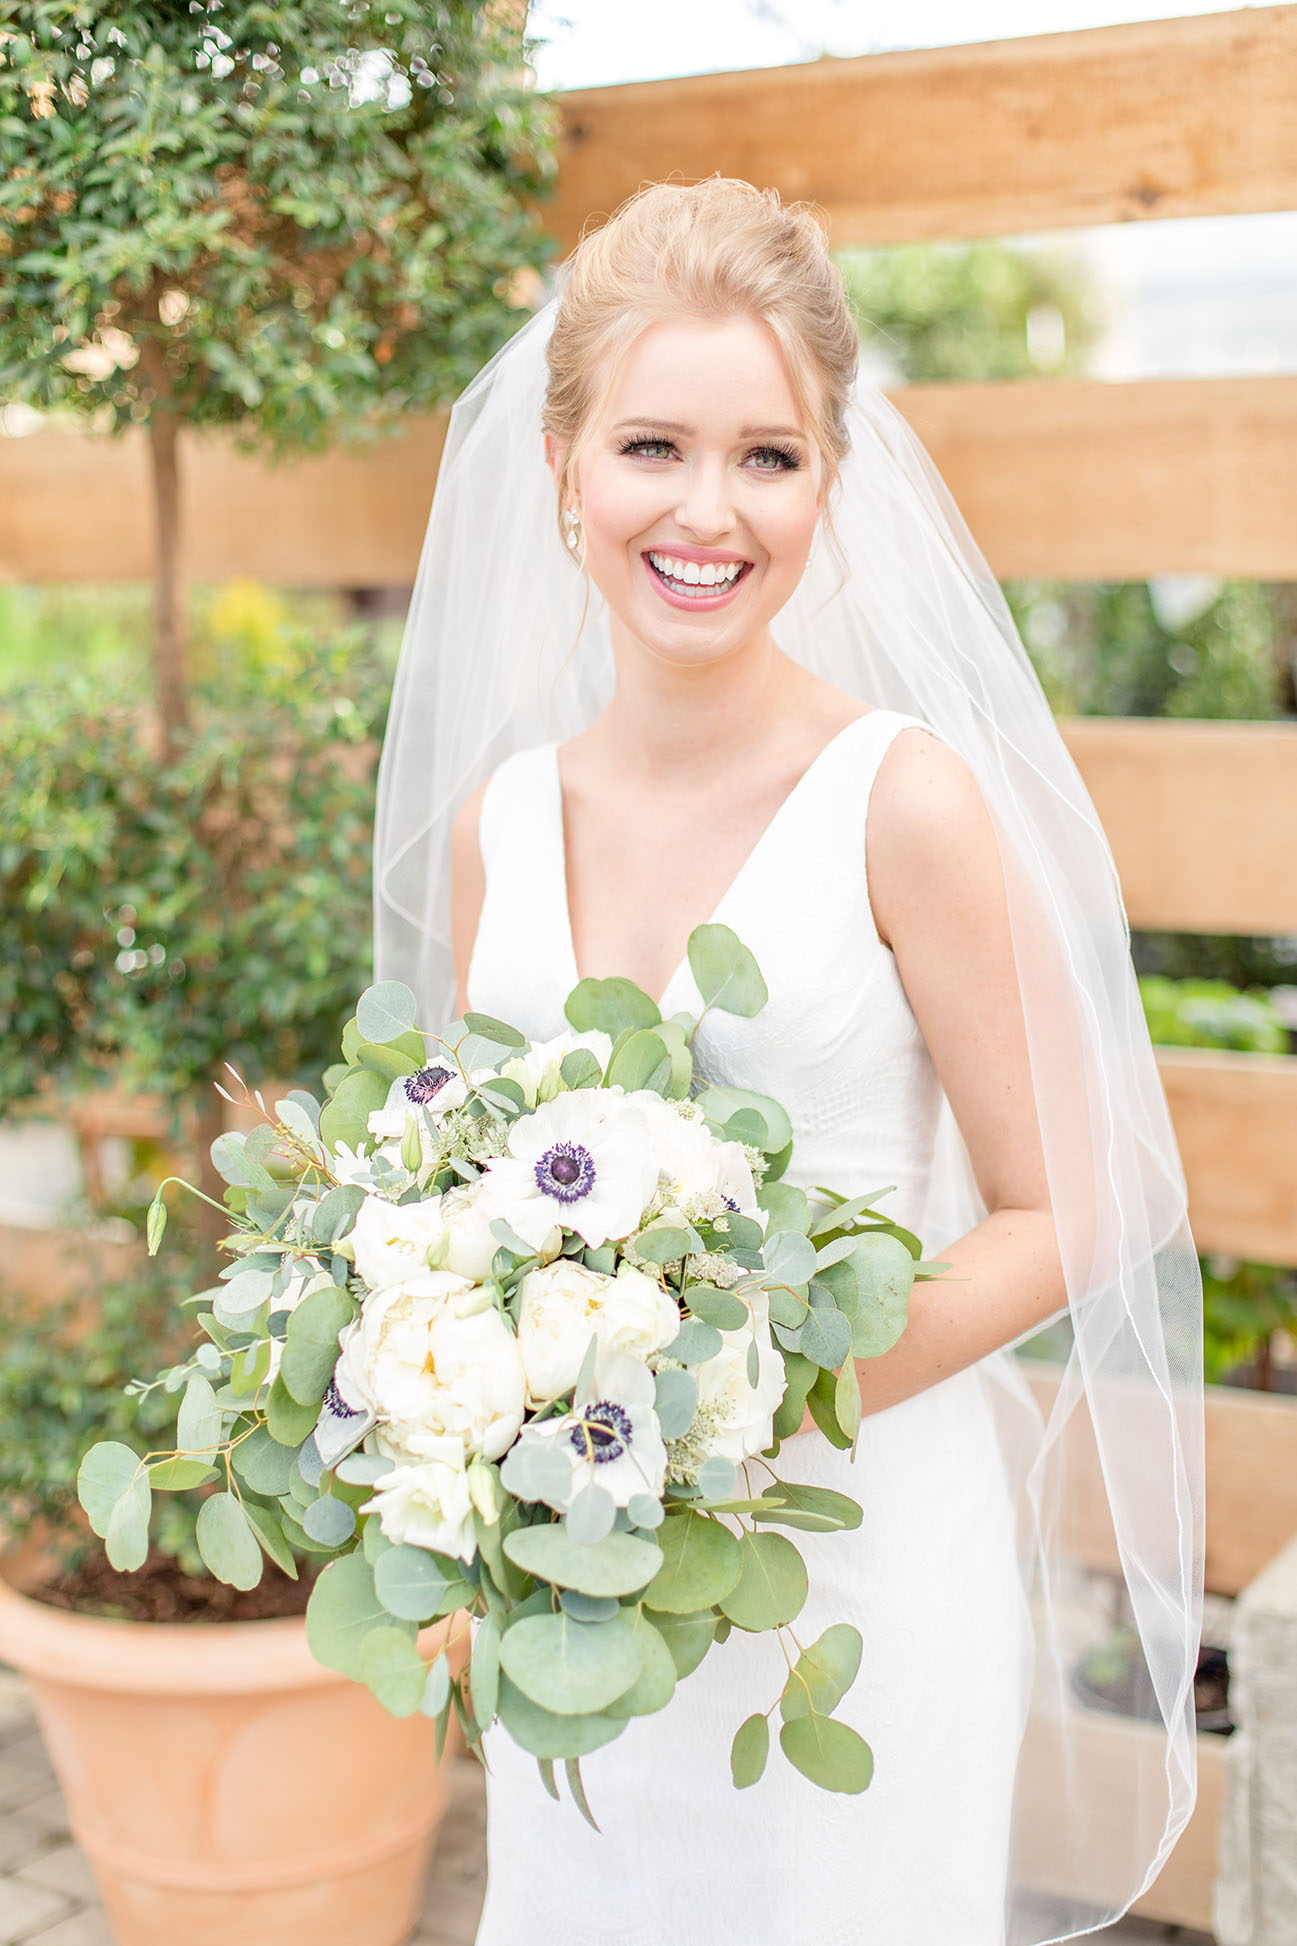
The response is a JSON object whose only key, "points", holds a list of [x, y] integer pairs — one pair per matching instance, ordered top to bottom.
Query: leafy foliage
{"points": [[287, 219], [157, 918]]}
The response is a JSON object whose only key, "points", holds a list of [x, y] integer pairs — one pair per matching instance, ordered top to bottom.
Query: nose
{"points": [[706, 506]]}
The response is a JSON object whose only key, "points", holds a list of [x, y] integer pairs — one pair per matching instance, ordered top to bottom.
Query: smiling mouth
{"points": [[694, 580]]}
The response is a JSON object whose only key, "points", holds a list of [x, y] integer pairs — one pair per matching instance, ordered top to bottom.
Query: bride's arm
{"points": [[467, 888], [937, 892]]}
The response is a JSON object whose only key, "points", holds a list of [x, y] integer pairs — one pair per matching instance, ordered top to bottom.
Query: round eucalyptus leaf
{"points": [[727, 975], [612, 1006], [384, 1012], [721, 1104], [345, 1116], [789, 1256], [884, 1277], [726, 1312], [825, 1337], [695, 1342], [846, 1398], [676, 1402], [263, 1462], [109, 1472], [538, 1473], [717, 1478], [820, 1507], [645, 1511], [591, 1514], [329, 1520], [227, 1543], [701, 1563], [619, 1564], [408, 1581], [771, 1589], [587, 1608], [342, 1611], [688, 1637], [484, 1668], [570, 1668], [393, 1669], [823, 1672], [655, 1685], [436, 1689], [544, 1733], [749, 1750], [831, 1754]]}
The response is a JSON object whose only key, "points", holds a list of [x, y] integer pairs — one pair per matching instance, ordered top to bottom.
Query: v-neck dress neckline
{"points": [[783, 809]]}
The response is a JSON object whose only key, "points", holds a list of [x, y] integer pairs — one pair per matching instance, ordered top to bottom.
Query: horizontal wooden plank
{"points": [[1189, 117], [1078, 479], [1093, 481], [79, 508], [1201, 818], [1235, 1119], [1251, 1469], [1120, 1774]]}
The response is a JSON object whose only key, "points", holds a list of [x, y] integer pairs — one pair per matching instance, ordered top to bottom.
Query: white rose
{"points": [[537, 1069], [564, 1303], [435, 1358], [745, 1412], [426, 1502]]}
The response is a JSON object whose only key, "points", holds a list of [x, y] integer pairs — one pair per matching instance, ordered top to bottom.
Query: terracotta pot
{"points": [[226, 1787]]}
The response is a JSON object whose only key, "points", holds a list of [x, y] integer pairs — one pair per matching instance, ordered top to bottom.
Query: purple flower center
{"points": [[427, 1084], [566, 1172], [729, 1202], [334, 1402], [604, 1432]]}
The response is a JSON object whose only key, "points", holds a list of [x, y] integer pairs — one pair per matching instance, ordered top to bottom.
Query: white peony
{"points": [[536, 1069], [583, 1160], [695, 1167], [470, 1247], [564, 1303], [434, 1357], [744, 1412], [611, 1435], [426, 1502]]}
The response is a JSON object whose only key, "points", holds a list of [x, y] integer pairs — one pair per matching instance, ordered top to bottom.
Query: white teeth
{"points": [[695, 574]]}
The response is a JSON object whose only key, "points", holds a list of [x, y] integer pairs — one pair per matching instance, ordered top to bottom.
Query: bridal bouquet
{"points": [[514, 1329]]}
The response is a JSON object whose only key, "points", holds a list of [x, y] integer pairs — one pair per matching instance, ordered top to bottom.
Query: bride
{"points": [[772, 684]]}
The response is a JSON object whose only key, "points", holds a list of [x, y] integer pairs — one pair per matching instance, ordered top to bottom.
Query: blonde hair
{"points": [[712, 249]]}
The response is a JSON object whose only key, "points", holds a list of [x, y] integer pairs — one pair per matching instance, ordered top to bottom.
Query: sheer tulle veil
{"points": [[506, 645]]}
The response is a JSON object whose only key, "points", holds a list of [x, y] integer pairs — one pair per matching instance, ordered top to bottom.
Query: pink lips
{"points": [[714, 598]]}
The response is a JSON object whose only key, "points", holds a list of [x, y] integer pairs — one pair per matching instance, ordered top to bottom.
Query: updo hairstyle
{"points": [[713, 249]]}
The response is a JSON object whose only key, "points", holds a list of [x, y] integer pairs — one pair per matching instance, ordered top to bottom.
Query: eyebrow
{"points": [[745, 432]]}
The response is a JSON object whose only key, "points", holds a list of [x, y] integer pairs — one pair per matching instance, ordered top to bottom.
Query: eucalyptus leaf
{"points": [[726, 973], [610, 1006], [385, 1011], [494, 1030], [643, 1060], [580, 1069], [721, 1104], [345, 1117], [234, 1165], [787, 1208], [335, 1214], [666, 1243], [789, 1256], [884, 1271], [716, 1307], [825, 1338], [695, 1342], [311, 1345], [799, 1376], [676, 1401], [200, 1422], [287, 1422], [262, 1462], [537, 1473], [179, 1475], [717, 1477], [807, 1506], [644, 1511], [591, 1513], [329, 1520], [270, 1534], [226, 1541], [701, 1563], [620, 1564], [411, 1583], [771, 1589], [588, 1608], [342, 1610], [688, 1637], [569, 1667], [484, 1668], [393, 1669], [823, 1672], [655, 1684], [436, 1689], [544, 1733], [749, 1750], [831, 1754]]}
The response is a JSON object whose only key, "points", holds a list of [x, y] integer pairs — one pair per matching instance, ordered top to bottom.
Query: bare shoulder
{"points": [[929, 835]]}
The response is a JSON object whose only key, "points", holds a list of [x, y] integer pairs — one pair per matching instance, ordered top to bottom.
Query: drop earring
{"points": [[572, 529]]}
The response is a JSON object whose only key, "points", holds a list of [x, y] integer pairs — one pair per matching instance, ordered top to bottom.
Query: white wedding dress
{"points": [[930, 1578]]}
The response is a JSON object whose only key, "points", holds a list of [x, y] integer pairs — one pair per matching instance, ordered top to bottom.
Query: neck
{"points": [[667, 718]]}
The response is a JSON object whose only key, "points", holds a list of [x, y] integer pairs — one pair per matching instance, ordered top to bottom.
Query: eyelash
{"points": [[789, 461]]}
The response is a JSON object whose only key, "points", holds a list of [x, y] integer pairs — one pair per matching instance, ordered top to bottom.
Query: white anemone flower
{"points": [[430, 1092], [583, 1160], [697, 1170], [611, 1435]]}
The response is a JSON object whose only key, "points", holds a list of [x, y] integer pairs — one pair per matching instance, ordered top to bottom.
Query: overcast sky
{"points": [[590, 42]]}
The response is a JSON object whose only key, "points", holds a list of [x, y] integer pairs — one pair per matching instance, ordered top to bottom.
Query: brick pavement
{"points": [[47, 1895]]}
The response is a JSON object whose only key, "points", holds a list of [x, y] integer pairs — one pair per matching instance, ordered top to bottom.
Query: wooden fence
{"points": [[1073, 479]]}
